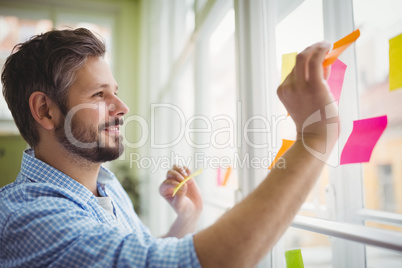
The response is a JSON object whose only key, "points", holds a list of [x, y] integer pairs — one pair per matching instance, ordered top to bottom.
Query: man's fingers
{"points": [[309, 62], [315, 65], [300, 70], [327, 71], [182, 170], [187, 171], [175, 175], [167, 187]]}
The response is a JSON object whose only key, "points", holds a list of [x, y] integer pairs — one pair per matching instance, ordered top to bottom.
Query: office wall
{"points": [[125, 18]]}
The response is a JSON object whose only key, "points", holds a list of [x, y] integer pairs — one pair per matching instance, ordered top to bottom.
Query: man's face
{"points": [[91, 129]]}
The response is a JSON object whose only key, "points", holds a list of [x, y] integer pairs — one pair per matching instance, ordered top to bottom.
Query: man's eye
{"points": [[99, 94]]}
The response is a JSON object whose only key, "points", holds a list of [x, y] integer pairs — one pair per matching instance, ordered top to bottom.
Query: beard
{"points": [[88, 143]]}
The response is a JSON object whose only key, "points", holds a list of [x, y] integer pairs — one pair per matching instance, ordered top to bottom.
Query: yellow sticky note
{"points": [[288, 62], [395, 63], [285, 146], [198, 172], [294, 259]]}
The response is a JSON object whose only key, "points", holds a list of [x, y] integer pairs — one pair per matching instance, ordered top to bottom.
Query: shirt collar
{"points": [[38, 171]]}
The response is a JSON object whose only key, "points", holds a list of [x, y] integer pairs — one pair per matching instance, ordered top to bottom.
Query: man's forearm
{"points": [[183, 226], [244, 234]]}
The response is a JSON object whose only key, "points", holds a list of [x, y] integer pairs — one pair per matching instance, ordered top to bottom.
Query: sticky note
{"points": [[340, 46], [288, 62], [395, 63], [335, 80], [362, 140], [285, 146], [198, 172], [227, 175], [218, 177], [294, 259]]}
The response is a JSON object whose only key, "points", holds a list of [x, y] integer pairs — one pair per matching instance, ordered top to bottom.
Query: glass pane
{"points": [[199, 5], [189, 18], [380, 21], [301, 28], [15, 30], [184, 93], [182, 98], [220, 174], [315, 248], [379, 258]]}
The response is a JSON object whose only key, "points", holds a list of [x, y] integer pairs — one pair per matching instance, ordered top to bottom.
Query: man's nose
{"points": [[118, 108]]}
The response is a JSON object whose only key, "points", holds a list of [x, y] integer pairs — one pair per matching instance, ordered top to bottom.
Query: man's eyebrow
{"points": [[103, 86]]}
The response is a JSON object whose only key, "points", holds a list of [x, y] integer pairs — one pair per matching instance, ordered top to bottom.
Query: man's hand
{"points": [[305, 91], [187, 202]]}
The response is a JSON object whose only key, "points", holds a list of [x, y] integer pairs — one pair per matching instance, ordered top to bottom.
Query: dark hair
{"points": [[48, 63]]}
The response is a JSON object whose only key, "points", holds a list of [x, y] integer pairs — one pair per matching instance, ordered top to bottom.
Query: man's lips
{"points": [[113, 126], [112, 129]]}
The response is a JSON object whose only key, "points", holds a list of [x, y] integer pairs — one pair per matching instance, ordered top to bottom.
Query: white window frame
{"points": [[257, 82], [347, 225]]}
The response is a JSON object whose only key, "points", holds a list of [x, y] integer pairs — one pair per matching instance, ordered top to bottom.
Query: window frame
{"points": [[258, 79], [347, 225]]}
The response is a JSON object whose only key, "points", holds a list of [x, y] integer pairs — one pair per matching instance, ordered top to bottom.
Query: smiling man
{"points": [[94, 98], [89, 133], [66, 210]]}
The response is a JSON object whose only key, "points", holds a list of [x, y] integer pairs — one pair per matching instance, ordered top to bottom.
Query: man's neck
{"points": [[79, 169]]}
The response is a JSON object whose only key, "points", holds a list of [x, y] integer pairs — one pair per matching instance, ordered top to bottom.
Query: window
{"points": [[301, 28], [15, 30], [200, 84], [382, 175], [222, 177], [386, 188], [345, 194], [352, 217]]}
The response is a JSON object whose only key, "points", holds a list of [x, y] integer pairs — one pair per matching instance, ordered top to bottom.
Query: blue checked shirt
{"points": [[47, 219]]}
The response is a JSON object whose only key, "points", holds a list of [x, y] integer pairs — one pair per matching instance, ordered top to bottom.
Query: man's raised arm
{"points": [[242, 236]]}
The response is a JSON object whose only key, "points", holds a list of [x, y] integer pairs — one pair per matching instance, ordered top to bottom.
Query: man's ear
{"points": [[43, 110]]}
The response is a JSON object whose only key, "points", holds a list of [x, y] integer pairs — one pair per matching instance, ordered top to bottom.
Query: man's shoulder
{"points": [[32, 196]]}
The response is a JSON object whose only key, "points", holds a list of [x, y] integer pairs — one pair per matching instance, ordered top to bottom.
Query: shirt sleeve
{"points": [[62, 234]]}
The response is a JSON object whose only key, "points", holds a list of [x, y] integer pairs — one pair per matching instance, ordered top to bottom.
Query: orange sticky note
{"points": [[340, 46], [285, 146], [227, 175]]}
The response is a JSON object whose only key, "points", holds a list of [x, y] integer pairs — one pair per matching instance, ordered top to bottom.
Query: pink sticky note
{"points": [[335, 80], [362, 140], [219, 177]]}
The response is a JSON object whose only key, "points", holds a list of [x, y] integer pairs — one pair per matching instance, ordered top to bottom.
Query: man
{"points": [[64, 209]]}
